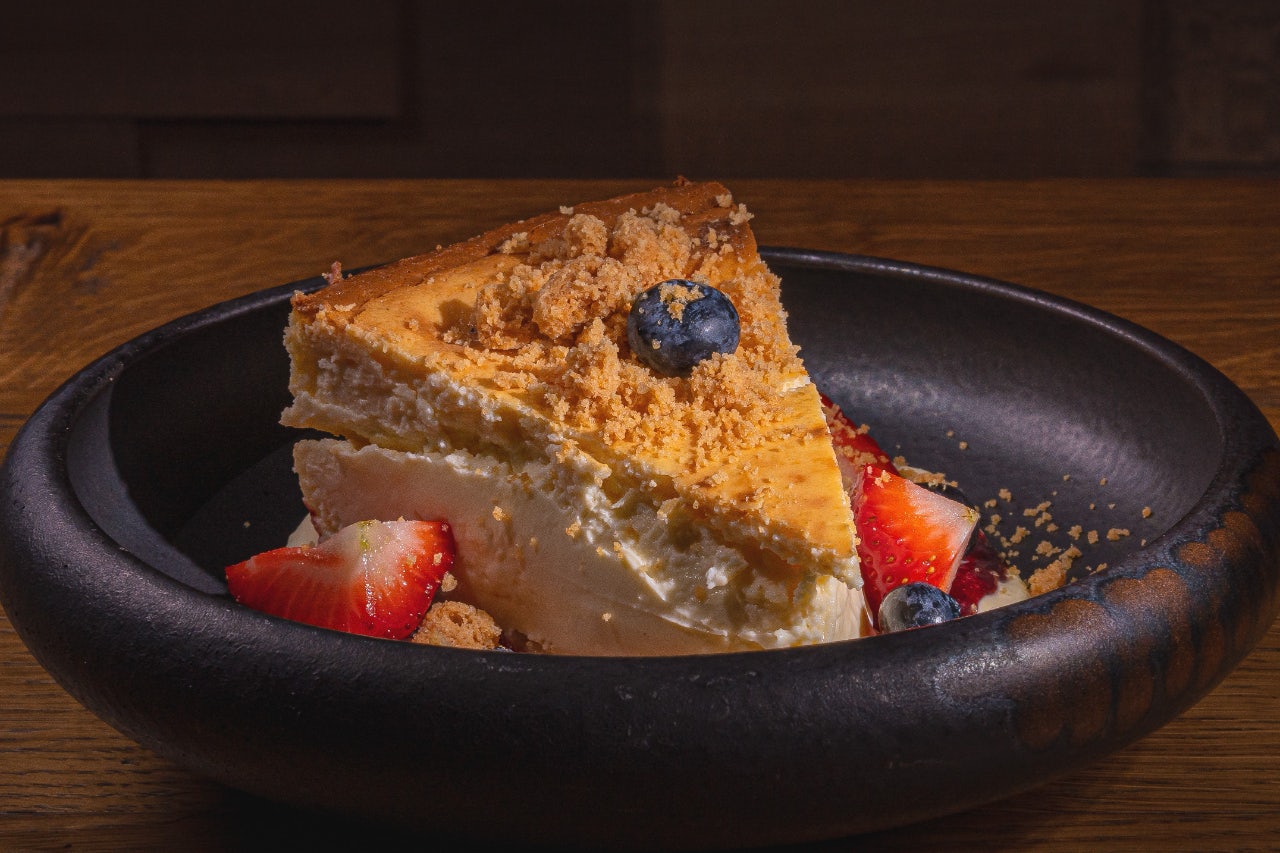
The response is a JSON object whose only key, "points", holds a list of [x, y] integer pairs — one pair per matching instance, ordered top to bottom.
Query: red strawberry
{"points": [[854, 445], [906, 533], [981, 570], [372, 577]]}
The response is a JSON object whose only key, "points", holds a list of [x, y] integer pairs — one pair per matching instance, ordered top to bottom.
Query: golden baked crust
{"points": [[516, 338]]}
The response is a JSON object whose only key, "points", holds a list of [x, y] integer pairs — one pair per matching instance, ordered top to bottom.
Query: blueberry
{"points": [[676, 324], [915, 605]]}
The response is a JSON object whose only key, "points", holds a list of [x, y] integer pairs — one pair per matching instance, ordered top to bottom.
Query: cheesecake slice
{"points": [[598, 506]]}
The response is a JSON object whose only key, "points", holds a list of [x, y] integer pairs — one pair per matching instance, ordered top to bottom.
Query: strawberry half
{"points": [[855, 448], [906, 533], [373, 577]]}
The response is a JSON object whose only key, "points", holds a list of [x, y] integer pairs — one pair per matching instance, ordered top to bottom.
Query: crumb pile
{"points": [[555, 325], [1061, 557], [453, 623]]}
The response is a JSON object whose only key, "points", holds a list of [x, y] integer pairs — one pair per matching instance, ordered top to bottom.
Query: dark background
{"points": [[705, 88]]}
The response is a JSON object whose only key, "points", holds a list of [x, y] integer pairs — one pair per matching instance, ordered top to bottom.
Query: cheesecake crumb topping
{"points": [[676, 296], [555, 324]]}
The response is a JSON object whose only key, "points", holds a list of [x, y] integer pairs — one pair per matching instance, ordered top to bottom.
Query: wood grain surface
{"points": [[85, 266]]}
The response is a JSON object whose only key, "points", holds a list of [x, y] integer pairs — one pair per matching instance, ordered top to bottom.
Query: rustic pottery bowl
{"points": [[138, 480]]}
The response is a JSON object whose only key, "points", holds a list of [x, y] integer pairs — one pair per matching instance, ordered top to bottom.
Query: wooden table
{"points": [[85, 266]]}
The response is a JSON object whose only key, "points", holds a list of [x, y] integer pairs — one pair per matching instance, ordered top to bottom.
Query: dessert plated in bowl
{"points": [[141, 479], [602, 503]]}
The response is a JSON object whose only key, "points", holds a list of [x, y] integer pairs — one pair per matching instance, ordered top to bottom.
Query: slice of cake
{"points": [[599, 506]]}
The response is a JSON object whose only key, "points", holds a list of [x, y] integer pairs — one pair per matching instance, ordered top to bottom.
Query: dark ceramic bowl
{"points": [[138, 480]]}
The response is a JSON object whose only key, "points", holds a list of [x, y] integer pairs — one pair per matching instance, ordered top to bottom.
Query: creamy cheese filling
{"points": [[552, 554], [1008, 591]]}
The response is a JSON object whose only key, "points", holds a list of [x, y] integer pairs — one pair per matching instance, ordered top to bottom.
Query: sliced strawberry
{"points": [[855, 448], [906, 533], [372, 577]]}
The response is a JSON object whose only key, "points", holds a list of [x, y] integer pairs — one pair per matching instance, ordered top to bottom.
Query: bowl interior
{"points": [[1002, 388], [182, 458], [183, 461]]}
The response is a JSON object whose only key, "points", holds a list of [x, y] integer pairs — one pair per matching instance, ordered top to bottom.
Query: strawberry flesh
{"points": [[375, 578]]}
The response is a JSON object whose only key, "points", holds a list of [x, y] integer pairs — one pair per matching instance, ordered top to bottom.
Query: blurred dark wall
{"points": [[579, 88]]}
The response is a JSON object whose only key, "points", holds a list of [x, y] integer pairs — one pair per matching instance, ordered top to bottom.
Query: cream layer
{"points": [[551, 550]]}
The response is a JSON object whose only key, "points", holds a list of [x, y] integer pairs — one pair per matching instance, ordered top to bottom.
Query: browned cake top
{"points": [[535, 313]]}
